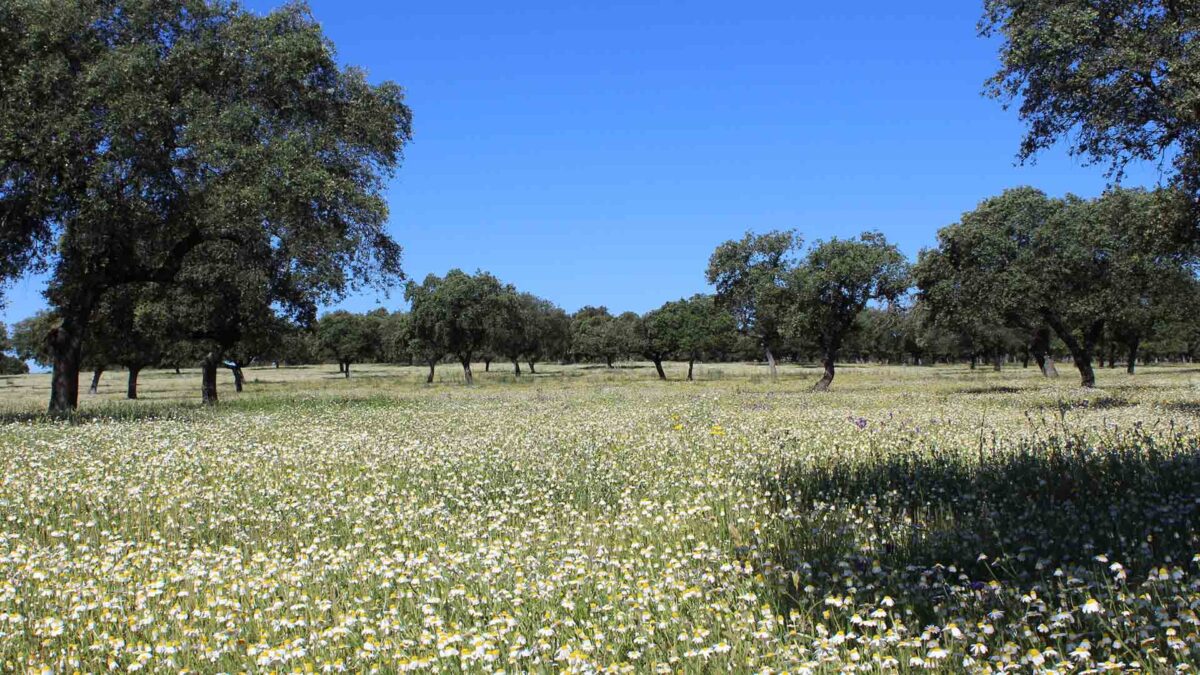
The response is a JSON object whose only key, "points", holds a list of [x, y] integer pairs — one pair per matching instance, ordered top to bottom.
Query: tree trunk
{"points": [[66, 345], [1040, 346], [1081, 352], [1025, 359], [609, 361], [974, 361], [691, 362], [771, 362], [997, 362], [466, 364], [1131, 364], [432, 365], [487, 365], [341, 366], [517, 367], [658, 367], [346, 369], [531, 369], [1049, 369], [177, 371], [208, 378], [238, 378], [826, 378], [96, 380], [131, 386]]}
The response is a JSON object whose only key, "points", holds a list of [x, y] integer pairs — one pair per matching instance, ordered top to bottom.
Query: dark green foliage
{"points": [[1115, 79], [133, 134], [1024, 260], [749, 275], [833, 286], [454, 315], [688, 329], [596, 334], [350, 338], [9, 364]]}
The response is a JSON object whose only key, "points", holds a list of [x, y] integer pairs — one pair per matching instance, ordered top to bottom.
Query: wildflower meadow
{"points": [[589, 520]]}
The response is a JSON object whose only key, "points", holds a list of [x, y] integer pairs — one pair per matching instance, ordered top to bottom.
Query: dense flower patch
{"points": [[625, 527]]}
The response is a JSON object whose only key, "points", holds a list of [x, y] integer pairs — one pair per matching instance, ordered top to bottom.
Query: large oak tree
{"points": [[133, 132]]}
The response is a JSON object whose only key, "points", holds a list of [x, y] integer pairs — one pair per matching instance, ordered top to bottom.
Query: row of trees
{"points": [[1023, 276]]}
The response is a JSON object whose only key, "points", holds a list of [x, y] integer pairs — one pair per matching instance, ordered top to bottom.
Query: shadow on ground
{"points": [[924, 525]]}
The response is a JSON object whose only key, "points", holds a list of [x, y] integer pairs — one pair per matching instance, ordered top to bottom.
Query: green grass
{"points": [[593, 519]]}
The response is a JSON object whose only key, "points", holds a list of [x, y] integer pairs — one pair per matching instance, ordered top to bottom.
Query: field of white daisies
{"points": [[590, 520]]}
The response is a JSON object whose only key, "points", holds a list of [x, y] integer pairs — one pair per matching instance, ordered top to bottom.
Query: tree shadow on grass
{"points": [[990, 390], [104, 414], [935, 529]]}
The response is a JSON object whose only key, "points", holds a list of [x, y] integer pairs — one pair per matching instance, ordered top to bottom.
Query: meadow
{"points": [[587, 519]]}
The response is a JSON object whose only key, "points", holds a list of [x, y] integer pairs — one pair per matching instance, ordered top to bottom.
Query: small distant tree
{"points": [[750, 276], [834, 284], [453, 314], [508, 329], [688, 329], [705, 329], [548, 331], [123, 333], [394, 333], [594, 335], [657, 336], [29, 337], [348, 338], [9, 364]]}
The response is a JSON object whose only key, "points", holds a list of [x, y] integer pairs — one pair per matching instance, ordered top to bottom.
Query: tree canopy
{"points": [[1116, 80], [133, 133]]}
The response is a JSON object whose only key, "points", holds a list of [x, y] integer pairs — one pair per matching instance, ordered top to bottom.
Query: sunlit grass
{"points": [[593, 519]]}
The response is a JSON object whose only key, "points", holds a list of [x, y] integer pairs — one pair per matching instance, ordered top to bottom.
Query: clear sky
{"points": [[597, 152]]}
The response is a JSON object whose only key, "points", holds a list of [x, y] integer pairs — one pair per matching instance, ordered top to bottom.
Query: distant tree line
{"points": [[1024, 278]]}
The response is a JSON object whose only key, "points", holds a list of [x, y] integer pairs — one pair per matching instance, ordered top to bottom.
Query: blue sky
{"points": [[596, 153]]}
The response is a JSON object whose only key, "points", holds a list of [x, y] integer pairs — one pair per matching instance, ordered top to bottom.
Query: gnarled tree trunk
{"points": [[1040, 346], [1082, 352], [771, 362], [432, 365], [466, 365], [531, 369], [662, 375], [827, 377], [208, 378]]}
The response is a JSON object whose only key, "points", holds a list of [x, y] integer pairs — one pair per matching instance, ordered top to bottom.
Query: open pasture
{"points": [[590, 519]]}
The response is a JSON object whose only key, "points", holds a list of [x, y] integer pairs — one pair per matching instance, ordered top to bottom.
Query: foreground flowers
{"points": [[638, 528]]}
